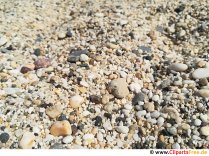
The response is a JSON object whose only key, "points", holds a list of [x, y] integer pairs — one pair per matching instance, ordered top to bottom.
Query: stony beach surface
{"points": [[101, 74]]}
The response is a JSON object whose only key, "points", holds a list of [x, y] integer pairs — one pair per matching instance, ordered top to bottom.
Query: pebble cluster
{"points": [[104, 74]]}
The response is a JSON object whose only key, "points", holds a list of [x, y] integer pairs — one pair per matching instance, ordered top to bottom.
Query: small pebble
{"points": [[178, 67], [201, 73], [118, 88], [76, 101], [61, 128], [122, 129], [4, 137], [27, 141]]}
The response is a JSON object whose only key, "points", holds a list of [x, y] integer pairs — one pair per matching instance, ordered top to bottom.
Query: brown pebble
{"points": [[42, 63], [27, 68], [61, 128]]}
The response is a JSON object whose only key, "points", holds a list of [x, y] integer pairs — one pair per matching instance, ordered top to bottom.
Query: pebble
{"points": [[61, 35], [3, 40], [84, 58], [42, 63], [178, 67], [26, 68], [201, 73], [135, 87], [118, 88], [204, 93], [139, 97], [95, 99], [105, 99], [76, 101], [150, 107], [54, 111], [141, 113], [155, 114], [204, 118], [160, 121], [197, 122], [61, 128], [122, 129], [172, 130], [204, 130], [4, 137], [100, 137], [89, 138], [67, 139], [27, 141], [57, 146], [176, 146]]}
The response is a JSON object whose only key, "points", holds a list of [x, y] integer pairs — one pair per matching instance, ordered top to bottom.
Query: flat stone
{"points": [[178, 67], [201, 73], [118, 88], [204, 93], [76, 101], [54, 111], [61, 128], [122, 129], [204, 130], [4, 137], [27, 141]]}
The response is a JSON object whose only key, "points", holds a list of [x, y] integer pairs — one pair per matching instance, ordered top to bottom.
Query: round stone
{"points": [[178, 67], [118, 88], [76, 101], [197, 122], [61, 128], [122, 129], [204, 130], [4, 137], [176, 146]]}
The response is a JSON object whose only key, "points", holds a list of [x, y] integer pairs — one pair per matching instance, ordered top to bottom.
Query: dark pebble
{"points": [[180, 8], [69, 33], [131, 34], [10, 48], [37, 52], [136, 52], [147, 57], [73, 59], [25, 70], [138, 97], [95, 99], [45, 105], [108, 115], [62, 117], [119, 119], [98, 121], [80, 126], [74, 129], [4, 137], [136, 145], [160, 145]]}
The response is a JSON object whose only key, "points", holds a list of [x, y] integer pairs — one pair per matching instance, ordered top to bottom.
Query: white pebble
{"points": [[67, 139]]}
